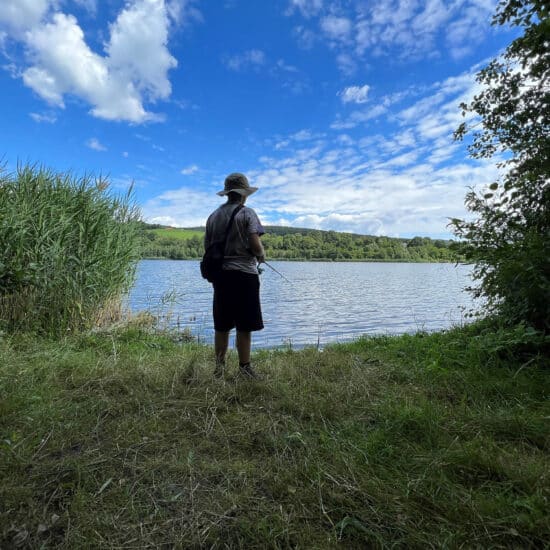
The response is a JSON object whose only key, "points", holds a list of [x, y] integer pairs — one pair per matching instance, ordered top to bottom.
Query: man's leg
{"points": [[248, 318], [244, 342], [221, 343]]}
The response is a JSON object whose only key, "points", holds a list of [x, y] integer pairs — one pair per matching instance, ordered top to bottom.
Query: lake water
{"points": [[324, 302]]}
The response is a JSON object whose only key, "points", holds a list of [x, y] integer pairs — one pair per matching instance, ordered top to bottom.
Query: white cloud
{"points": [[89, 5], [308, 8], [184, 12], [21, 15], [414, 27], [336, 28], [401, 29], [465, 33], [305, 37], [137, 48], [248, 59], [63, 61], [346, 64], [283, 66], [289, 77], [116, 86], [355, 94], [397, 97], [185, 104], [434, 115], [438, 115], [43, 117], [359, 117], [305, 135], [301, 136], [345, 139], [402, 140], [282, 144], [96, 145], [405, 159], [190, 170], [126, 182], [407, 182], [397, 186], [339, 190], [184, 207], [164, 220], [355, 223]]}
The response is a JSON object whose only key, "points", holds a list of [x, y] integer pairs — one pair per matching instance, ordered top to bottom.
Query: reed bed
{"points": [[68, 249]]}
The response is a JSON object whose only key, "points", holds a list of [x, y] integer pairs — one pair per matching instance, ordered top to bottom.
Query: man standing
{"points": [[237, 290]]}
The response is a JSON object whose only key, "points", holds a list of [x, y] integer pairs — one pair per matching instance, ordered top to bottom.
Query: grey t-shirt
{"points": [[237, 253]]}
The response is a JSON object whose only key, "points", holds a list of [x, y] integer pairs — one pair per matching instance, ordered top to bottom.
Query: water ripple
{"points": [[325, 302]]}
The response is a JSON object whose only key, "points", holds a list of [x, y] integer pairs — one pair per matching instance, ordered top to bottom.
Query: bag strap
{"points": [[228, 228]]}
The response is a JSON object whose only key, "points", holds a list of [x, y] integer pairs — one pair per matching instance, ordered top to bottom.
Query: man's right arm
{"points": [[256, 247]]}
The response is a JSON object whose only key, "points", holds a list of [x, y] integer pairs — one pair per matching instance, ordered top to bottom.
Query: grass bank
{"points": [[125, 440]]}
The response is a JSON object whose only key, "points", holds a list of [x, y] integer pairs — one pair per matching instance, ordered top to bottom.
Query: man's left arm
{"points": [[206, 241]]}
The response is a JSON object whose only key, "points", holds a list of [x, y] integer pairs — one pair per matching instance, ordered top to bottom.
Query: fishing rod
{"points": [[278, 272]]}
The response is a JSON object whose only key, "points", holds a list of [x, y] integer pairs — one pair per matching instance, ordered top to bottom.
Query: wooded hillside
{"points": [[291, 243]]}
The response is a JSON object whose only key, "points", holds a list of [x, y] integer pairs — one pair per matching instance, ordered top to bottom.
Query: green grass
{"points": [[177, 234], [125, 440]]}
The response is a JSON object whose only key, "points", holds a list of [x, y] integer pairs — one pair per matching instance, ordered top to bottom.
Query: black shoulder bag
{"points": [[212, 261]]}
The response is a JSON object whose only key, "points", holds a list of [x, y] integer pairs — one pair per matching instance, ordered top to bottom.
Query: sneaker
{"points": [[248, 372]]}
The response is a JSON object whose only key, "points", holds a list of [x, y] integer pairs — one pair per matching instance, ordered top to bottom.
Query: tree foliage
{"points": [[509, 238], [291, 243]]}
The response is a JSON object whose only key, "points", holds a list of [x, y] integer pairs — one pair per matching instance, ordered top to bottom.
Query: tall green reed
{"points": [[68, 249]]}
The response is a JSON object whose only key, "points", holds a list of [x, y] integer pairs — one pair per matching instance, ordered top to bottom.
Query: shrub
{"points": [[509, 239], [68, 249]]}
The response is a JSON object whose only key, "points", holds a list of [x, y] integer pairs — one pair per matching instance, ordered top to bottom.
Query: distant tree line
{"points": [[282, 243]]}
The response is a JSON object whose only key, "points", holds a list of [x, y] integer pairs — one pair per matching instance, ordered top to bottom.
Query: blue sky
{"points": [[341, 111]]}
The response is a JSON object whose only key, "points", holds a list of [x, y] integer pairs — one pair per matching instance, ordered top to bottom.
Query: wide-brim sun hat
{"points": [[237, 183]]}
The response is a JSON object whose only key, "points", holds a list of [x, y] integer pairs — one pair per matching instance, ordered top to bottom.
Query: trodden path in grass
{"points": [[125, 440]]}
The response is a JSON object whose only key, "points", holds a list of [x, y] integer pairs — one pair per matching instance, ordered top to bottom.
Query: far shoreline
{"points": [[326, 260]]}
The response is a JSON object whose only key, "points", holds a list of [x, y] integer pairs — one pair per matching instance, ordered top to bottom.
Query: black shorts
{"points": [[237, 302]]}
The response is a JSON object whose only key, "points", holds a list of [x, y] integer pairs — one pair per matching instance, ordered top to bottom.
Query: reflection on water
{"points": [[325, 301]]}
